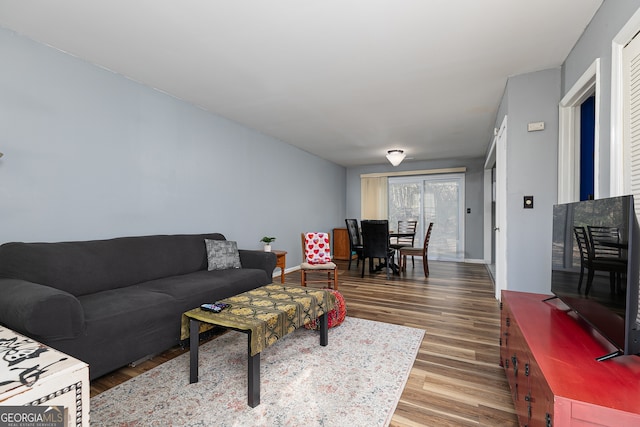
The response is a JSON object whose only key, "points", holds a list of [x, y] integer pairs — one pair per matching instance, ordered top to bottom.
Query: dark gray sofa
{"points": [[112, 302]]}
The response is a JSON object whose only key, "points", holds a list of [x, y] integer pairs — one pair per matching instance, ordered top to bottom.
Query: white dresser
{"points": [[34, 374]]}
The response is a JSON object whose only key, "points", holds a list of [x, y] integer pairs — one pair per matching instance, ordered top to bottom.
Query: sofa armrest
{"points": [[258, 259], [38, 311]]}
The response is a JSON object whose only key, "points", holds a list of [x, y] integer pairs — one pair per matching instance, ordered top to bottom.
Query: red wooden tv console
{"points": [[549, 355]]}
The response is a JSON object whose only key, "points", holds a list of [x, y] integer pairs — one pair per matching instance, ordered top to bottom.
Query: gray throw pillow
{"points": [[222, 254]]}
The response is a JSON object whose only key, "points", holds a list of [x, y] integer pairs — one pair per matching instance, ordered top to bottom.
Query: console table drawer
{"points": [[549, 356]]}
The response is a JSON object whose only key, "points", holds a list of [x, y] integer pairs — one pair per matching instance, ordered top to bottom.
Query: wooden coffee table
{"points": [[265, 314]]}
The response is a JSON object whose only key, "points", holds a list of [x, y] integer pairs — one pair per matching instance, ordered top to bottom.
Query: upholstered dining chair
{"points": [[408, 228], [355, 241], [375, 244], [405, 251], [316, 255]]}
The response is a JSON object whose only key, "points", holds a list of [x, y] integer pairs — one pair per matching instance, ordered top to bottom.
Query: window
{"points": [[431, 198]]}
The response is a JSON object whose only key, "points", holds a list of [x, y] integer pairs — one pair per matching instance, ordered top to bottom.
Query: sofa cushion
{"points": [[222, 254], [191, 290], [130, 307], [122, 326]]}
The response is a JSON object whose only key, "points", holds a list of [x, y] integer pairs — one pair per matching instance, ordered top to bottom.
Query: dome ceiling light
{"points": [[395, 157]]}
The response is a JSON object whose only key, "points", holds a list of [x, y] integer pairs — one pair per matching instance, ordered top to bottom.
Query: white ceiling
{"points": [[343, 79]]}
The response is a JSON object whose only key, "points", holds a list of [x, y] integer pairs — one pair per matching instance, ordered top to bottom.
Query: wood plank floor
{"points": [[456, 379]]}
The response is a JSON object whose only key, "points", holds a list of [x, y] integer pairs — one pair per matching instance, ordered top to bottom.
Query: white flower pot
{"points": [[267, 248]]}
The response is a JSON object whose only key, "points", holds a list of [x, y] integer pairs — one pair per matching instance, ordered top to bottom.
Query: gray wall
{"points": [[596, 43], [91, 154], [532, 159], [473, 240]]}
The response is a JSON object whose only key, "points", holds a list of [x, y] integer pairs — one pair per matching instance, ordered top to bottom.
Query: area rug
{"points": [[356, 380]]}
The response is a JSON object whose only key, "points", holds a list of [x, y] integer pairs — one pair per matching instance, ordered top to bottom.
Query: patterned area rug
{"points": [[356, 380]]}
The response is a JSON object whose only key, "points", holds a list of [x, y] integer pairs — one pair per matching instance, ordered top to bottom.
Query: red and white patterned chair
{"points": [[316, 254]]}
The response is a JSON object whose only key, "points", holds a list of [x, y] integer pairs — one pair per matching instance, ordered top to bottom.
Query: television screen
{"points": [[594, 270]]}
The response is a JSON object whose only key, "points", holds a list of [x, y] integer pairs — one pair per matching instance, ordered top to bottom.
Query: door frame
{"points": [[569, 135], [497, 157], [617, 184], [501, 210]]}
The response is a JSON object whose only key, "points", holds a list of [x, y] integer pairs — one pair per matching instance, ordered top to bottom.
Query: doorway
{"points": [[587, 147], [570, 167]]}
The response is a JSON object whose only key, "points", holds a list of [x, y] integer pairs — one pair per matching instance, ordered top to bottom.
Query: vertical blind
{"points": [[631, 55], [374, 190], [373, 194]]}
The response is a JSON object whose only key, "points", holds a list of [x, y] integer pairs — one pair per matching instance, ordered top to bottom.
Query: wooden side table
{"points": [[341, 246], [281, 262]]}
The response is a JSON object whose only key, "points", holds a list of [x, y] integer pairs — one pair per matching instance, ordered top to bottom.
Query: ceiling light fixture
{"points": [[395, 157]]}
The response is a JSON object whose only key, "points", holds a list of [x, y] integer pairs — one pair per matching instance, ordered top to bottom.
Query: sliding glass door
{"points": [[431, 198]]}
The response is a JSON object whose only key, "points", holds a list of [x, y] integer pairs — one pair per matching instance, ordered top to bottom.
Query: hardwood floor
{"points": [[456, 379]]}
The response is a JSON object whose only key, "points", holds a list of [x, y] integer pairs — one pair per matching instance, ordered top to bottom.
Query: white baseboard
{"points": [[475, 261], [297, 267], [286, 271]]}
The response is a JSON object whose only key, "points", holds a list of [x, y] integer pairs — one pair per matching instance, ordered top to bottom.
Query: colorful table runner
{"points": [[269, 312]]}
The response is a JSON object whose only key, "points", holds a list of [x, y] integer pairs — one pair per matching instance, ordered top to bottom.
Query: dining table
{"points": [[395, 268]]}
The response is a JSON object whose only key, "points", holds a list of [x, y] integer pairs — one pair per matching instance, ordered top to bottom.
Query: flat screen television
{"points": [[609, 303]]}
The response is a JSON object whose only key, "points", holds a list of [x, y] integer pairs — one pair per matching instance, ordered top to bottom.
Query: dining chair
{"points": [[405, 227], [355, 241], [605, 242], [375, 244], [583, 246], [406, 251], [606, 252], [316, 255], [589, 261]]}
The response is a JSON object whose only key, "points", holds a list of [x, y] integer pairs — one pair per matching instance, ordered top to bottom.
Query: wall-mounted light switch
{"points": [[528, 202]]}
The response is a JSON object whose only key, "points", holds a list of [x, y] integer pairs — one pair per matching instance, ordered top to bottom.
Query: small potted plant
{"points": [[267, 243]]}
